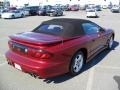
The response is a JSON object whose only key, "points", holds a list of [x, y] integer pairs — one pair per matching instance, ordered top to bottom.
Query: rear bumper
{"points": [[115, 10], [50, 14], [91, 15], [40, 68]]}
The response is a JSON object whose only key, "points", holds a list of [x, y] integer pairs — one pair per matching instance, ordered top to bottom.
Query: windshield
{"points": [[91, 10], [49, 29]]}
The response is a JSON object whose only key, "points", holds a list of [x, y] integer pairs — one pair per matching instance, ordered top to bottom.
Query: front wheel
{"points": [[22, 15], [13, 16], [110, 43], [77, 63]]}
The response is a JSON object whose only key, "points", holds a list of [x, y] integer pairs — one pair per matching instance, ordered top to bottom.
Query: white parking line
{"points": [[4, 38], [1, 55], [3, 63], [108, 67], [90, 79]]}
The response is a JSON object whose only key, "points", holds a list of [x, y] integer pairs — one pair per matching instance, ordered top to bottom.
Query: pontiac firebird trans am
{"points": [[58, 46]]}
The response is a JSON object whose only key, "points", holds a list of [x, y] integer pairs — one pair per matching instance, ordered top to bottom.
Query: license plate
{"points": [[20, 48], [18, 66]]}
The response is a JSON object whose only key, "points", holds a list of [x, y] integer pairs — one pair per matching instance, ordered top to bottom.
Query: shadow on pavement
{"points": [[93, 62], [117, 79]]}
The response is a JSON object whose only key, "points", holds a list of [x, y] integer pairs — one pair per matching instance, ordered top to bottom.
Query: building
{"points": [[4, 3]]}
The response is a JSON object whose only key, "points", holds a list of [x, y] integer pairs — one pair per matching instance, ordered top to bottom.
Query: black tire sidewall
{"points": [[22, 15], [13, 16], [108, 47]]}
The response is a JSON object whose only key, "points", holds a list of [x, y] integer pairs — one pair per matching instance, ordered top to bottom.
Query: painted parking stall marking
{"points": [[5, 62]]}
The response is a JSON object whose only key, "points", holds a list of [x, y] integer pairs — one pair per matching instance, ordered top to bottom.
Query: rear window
{"points": [[91, 10], [49, 29]]}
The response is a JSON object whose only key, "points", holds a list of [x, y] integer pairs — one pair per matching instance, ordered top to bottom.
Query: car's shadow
{"points": [[93, 62], [117, 79]]}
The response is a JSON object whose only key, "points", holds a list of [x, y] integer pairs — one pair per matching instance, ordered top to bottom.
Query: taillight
{"points": [[30, 52], [40, 54]]}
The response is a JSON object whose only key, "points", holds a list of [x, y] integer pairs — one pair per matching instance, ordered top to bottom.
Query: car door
{"points": [[18, 14], [93, 33]]}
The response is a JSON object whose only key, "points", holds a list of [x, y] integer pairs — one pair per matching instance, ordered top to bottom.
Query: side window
{"points": [[17, 11], [90, 28]]}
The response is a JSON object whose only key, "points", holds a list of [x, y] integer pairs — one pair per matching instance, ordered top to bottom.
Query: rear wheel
{"points": [[77, 63]]}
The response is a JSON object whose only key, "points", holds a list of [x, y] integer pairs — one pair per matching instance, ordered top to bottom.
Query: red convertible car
{"points": [[58, 46]]}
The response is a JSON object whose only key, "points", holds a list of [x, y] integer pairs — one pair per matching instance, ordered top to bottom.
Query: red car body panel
{"points": [[62, 50]]}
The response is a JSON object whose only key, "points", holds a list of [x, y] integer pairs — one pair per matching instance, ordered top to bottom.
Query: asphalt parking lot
{"points": [[102, 73]]}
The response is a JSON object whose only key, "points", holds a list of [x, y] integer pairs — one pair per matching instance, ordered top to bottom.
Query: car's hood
{"points": [[36, 38]]}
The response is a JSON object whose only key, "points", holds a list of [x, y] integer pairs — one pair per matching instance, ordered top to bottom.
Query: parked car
{"points": [[60, 6], [90, 6], [104, 6], [67, 7], [83, 7], [74, 8], [98, 8], [115, 8], [33, 10], [43, 10], [54, 11], [26, 12], [91, 12], [12, 14], [58, 46]]}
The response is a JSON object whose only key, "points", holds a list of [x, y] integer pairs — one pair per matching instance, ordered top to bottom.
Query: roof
{"points": [[67, 20], [72, 27]]}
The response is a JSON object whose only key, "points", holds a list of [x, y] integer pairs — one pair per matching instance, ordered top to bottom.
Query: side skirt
{"points": [[92, 56]]}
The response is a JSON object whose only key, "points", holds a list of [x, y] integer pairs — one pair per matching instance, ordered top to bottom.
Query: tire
{"points": [[119, 11], [55, 14], [62, 14], [22, 15], [13, 16], [110, 43], [76, 64]]}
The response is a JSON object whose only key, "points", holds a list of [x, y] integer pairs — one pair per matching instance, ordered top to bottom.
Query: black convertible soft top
{"points": [[71, 27]]}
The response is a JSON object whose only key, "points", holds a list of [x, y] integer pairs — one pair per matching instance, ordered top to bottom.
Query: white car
{"points": [[115, 8], [26, 12], [91, 13], [12, 14]]}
